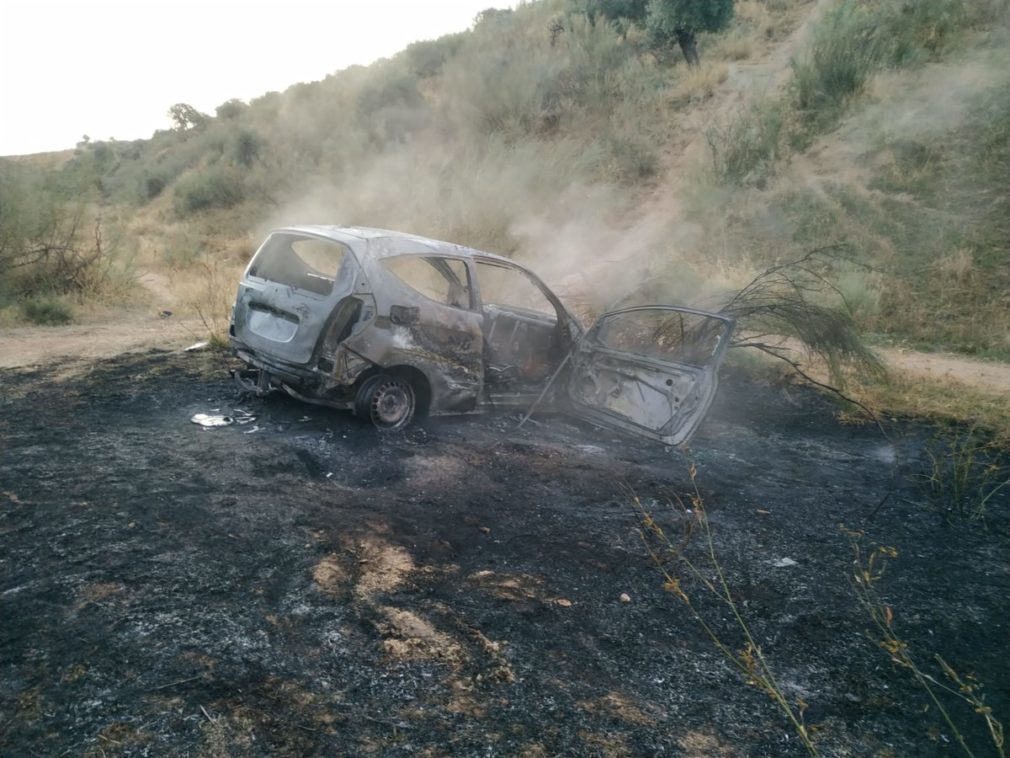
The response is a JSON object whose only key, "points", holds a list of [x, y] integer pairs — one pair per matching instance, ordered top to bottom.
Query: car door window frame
{"points": [[438, 263], [591, 339]]}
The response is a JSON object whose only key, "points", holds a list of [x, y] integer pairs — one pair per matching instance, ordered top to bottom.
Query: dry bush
{"points": [[736, 45], [699, 83], [957, 267], [208, 289], [797, 300]]}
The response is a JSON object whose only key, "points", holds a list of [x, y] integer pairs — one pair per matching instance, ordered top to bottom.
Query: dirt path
{"points": [[40, 345], [982, 375]]}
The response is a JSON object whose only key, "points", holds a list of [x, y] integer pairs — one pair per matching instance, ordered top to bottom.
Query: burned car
{"points": [[392, 326]]}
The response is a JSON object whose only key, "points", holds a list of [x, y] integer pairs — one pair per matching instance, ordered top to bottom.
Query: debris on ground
{"points": [[211, 420]]}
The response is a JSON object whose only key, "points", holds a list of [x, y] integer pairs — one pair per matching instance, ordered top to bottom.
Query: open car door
{"points": [[651, 370]]}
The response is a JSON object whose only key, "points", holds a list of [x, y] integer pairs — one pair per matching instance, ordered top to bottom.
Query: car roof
{"points": [[384, 243]]}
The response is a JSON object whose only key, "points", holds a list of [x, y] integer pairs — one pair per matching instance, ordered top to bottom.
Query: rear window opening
{"points": [[308, 263]]}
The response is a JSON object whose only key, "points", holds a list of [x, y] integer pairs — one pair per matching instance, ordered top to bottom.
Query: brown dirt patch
{"points": [[382, 567], [331, 575], [410, 637], [620, 705]]}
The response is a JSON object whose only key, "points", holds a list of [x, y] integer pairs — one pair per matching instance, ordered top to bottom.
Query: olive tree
{"points": [[669, 21]]}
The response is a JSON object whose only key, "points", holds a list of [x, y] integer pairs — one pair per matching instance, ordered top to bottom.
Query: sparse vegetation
{"points": [[854, 40], [745, 151], [922, 208], [52, 242], [211, 297], [47, 311], [936, 399], [965, 472], [683, 574], [944, 686]]}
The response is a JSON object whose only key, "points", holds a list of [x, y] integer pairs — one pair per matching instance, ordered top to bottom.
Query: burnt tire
{"points": [[388, 402]]}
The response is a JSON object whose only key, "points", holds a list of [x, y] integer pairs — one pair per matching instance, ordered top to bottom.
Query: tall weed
{"points": [[844, 51], [745, 151], [965, 473]]}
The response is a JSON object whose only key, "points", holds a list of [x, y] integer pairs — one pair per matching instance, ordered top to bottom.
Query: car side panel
{"points": [[443, 342]]}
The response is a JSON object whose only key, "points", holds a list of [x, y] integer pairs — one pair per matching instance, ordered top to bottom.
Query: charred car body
{"points": [[392, 325]]}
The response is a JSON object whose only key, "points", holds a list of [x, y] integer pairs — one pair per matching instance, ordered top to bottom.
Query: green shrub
{"points": [[679, 21], [915, 31], [843, 53], [427, 57], [389, 87], [389, 106], [230, 109], [246, 147], [153, 186], [213, 187], [46, 311]]}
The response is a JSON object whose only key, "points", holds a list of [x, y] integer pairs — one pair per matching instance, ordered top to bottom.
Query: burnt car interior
{"points": [[522, 330], [666, 335], [522, 336]]}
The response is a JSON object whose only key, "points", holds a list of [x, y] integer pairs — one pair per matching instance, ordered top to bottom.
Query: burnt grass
{"points": [[316, 588]]}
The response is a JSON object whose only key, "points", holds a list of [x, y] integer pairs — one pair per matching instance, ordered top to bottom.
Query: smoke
{"points": [[920, 106], [429, 165]]}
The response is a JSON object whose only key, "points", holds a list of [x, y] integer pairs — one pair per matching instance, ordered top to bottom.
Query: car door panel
{"points": [[661, 390]]}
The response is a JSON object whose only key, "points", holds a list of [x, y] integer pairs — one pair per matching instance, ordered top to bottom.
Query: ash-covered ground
{"points": [[315, 588]]}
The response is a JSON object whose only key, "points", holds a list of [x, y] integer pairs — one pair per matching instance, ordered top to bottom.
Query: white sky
{"points": [[112, 68]]}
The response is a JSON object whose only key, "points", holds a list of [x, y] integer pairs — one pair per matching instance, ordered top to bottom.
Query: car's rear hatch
{"points": [[288, 293]]}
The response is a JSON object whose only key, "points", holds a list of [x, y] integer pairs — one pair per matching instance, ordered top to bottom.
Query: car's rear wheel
{"points": [[388, 402]]}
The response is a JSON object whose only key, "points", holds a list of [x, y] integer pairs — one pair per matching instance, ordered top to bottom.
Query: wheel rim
{"points": [[392, 404]]}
